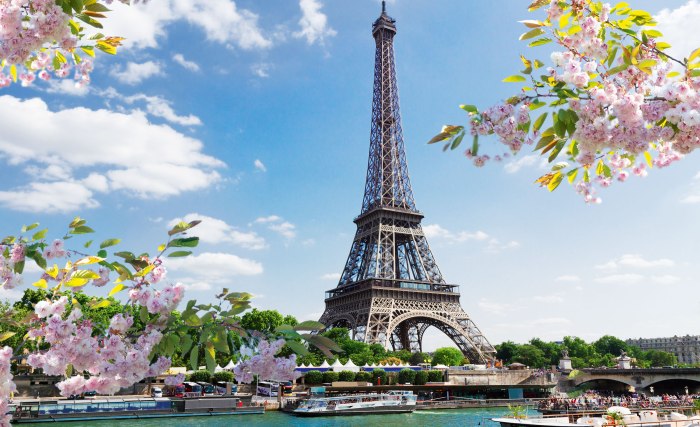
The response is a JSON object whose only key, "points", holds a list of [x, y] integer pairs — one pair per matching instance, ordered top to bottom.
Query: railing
{"points": [[393, 284]]}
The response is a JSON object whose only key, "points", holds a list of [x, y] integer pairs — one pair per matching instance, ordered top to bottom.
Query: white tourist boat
{"points": [[393, 402], [616, 416]]}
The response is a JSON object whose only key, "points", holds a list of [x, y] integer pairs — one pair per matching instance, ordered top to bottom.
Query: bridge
{"points": [[661, 379]]}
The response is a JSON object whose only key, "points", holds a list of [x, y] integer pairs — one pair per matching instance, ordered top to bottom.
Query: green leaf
{"points": [[77, 5], [97, 7], [88, 20], [531, 34], [540, 42], [89, 50], [694, 54], [695, 73], [516, 78], [469, 108], [539, 121], [439, 137], [457, 141], [475, 145], [559, 166], [572, 175], [554, 183], [182, 226], [30, 227], [82, 229], [40, 234], [109, 242], [185, 242], [87, 244], [179, 254], [126, 255], [38, 259], [19, 267], [85, 274], [41, 284], [116, 289], [143, 314], [191, 319], [309, 325], [6, 335], [220, 340], [185, 343], [297, 347], [210, 356], [194, 359]]}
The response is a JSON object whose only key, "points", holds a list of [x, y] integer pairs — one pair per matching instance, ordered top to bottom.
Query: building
{"points": [[686, 349]]}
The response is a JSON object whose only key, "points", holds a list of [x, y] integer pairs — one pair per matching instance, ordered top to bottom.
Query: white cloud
{"points": [[143, 23], [313, 23], [679, 28], [188, 65], [261, 70], [134, 73], [67, 87], [159, 107], [34, 136], [259, 165], [515, 165], [60, 196], [694, 196], [278, 225], [215, 231], [435, 231], [495, 246], [635, 261], [212, 267], [331, 276], [568, 278], [621, 279], [666, 279], [548, 299], [494, 307], [550, 321]]}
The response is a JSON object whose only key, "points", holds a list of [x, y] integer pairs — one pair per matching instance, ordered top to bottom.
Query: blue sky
{"points": [[256, 115]]}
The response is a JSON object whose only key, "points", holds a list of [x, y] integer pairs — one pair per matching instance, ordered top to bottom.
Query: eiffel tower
{"points": [[391, 289]]}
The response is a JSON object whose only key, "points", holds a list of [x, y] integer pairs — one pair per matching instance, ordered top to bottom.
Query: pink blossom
{"points": [[17, 253]]}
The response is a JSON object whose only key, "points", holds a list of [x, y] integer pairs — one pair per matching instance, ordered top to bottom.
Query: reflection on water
{"points": [[435, 418]]}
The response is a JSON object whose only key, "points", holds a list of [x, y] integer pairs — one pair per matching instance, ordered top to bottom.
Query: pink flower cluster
{"points": [[27, 28], [55, 250], [104, 277], [8, 278], [158, 301], [112, 361], [265, 365], [174, 379], [7, 386]]}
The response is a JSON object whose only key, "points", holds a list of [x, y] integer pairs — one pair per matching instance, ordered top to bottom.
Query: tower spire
{"points": [[383, 6]]}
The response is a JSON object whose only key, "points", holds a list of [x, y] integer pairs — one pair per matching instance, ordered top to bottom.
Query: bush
{"points": [[417, 358], [381, 374], [200, 376], [223, 376], [330, 376], [346, 376], [363, 376], [407, 376], [435, 376], [313, 377], [392, 378], [421, 378]]}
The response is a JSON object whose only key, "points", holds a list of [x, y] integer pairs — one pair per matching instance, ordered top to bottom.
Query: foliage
{"points": [[52, 39], [615, 102], [262, 320], [602, 352], [448, 356], [417, 358], [391, 360], [200, 376], [330, 376], [346, 376], [363, 376], [379, 376], [407, 376], [435, 376], [222, 377], [313, 377], [421, 378], [516, 411]]}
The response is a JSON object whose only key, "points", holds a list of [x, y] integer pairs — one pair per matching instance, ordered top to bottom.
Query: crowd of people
{"points": [[593, 400]]}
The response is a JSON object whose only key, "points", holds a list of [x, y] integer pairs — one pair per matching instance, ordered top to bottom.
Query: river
{"points": [[434, 418]]}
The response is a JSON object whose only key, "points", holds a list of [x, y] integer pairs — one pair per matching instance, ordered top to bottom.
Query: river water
{"points": [[433, 418]]}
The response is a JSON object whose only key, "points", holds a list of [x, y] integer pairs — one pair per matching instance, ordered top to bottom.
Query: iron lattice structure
{"points": [[391, 289]]}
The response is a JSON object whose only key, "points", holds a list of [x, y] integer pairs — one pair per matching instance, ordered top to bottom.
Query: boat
{"points": [[392, 402], [120, 409], [615, 416]]}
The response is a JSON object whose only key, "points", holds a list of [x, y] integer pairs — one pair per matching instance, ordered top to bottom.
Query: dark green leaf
{"points": [[457, 141], [82, 229], [109, 242], [185, 242], [179, 254], [309, 325], [298, 348], [194, 358]]}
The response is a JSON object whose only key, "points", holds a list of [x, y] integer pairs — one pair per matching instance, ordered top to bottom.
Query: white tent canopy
{"points": [[325, 364], [230, 365], [337, 366], [350, 366]]}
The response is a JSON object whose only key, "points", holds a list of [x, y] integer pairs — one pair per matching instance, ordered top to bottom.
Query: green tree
{"points": [[262, 320], [607, 344], [551, 350], [506, 351], [402, 355], [449, 356], [531, 356], [417, 358], [658, 358], [203, 376], [222, 376], [346, 376], [363, 376], [379, 376], [407, 376], [436, 376], [313, 377], [330, 377], [421, 378]]}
